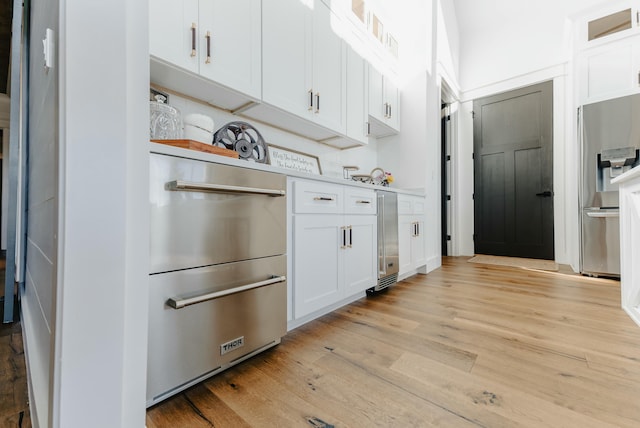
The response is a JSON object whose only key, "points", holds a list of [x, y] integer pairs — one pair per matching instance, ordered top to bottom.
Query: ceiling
{"points": [[6, 8]]}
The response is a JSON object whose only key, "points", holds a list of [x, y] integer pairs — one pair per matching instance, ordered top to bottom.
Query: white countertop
{"points": [[164, 149], [629, 175]]}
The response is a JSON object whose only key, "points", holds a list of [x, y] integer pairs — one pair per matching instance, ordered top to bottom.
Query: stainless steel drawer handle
{"points": [[221, 188], [323, 198], [363, 202], [604, 214], [177, 303]]}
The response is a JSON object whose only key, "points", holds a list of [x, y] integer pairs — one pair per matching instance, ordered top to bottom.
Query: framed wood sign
{"points": [[293, 160]]}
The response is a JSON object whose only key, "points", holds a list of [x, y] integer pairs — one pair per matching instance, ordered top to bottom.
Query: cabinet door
{"points": [[170, 34], [230, 34], [286, 56], [329, 70], [609, 71], [356, 90], [376, 94], [392, 101], [405, 238], [418, 255], [317, 262], [360, 267]]}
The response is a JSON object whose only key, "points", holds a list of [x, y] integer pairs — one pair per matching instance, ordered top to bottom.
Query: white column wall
{"points": [[100, 349]]}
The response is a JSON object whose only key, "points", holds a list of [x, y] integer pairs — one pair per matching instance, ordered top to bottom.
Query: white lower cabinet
{"points": [[411, 233], [334, 250], [360, 256], [318, 262]]}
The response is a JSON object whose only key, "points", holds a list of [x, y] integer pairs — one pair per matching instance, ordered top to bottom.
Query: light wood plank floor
{"points": [[465, 345], [14, 400]]}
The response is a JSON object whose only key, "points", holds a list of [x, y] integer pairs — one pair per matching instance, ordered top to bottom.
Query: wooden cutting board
{"points": [[201, 147]]}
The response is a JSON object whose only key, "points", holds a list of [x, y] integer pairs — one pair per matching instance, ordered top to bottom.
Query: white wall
{"points": [[502, 39], [5, 107], [38, 298], [101, 324]]}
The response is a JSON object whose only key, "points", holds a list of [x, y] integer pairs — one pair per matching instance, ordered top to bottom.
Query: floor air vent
{"points": [[384, 282]]}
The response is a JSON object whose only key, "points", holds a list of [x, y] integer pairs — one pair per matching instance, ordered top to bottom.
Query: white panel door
{"points": [[170, 33], [230, 34], [286, 55], [329, 69], [376, 94], [355, 97], [391, 99], [405, 233], [418, 253], [360, 256], [317, 262]]}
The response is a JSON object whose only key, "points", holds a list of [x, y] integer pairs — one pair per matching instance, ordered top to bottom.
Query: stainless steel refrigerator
{"points": [[610, 145], [388, 263]]}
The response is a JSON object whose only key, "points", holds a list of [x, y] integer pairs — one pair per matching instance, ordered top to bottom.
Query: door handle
{"points": [[177, 185], [545, 194], [604, 214], [178, 303]]}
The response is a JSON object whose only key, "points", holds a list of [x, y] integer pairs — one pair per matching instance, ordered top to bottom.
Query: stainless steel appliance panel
{"points": [[607, 126], [610, 145], [204, 213], [600, 242], [388, 249], [201, 339]]}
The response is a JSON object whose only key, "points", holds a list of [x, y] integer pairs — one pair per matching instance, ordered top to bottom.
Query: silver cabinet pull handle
{"points": [[208, 37], [193, 39], [310, 99], [221, 188], [323, 198], [363, 202], [604, 214], [344, 237], [350, 237], [177, 303]]}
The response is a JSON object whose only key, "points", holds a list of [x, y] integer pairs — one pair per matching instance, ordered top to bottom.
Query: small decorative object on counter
{"points": [[164, 121], [198, 127], [244, 139], [346, 171], [380, 177], [363, 178], [388, 179]]}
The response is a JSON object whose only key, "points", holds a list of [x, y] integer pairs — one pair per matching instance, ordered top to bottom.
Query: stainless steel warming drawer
{"points": [[204, 213], [217, 284], [189, 344]]}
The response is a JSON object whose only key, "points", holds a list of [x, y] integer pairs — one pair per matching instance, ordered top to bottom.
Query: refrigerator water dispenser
{"points": [[613, 162]]}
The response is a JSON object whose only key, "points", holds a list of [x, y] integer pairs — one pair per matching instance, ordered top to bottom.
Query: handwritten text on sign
{"points": [[282, 158]]}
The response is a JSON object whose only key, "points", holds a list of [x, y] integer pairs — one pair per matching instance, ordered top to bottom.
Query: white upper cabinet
{"points": [[173, 29], [231, 32], [208, 49], [608, 52], [286, 53], [304, 69], [329, 69], [609, 71], [357, 97], [384, 104]]}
